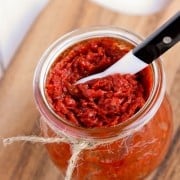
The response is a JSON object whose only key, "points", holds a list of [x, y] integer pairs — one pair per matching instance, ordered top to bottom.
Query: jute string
{"points": [[77, 146]]}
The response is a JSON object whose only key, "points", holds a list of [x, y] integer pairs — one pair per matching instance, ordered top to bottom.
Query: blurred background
{"points": [[27, 28]]}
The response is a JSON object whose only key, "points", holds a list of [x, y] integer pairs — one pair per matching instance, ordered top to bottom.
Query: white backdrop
{"points": [[16, 17]]}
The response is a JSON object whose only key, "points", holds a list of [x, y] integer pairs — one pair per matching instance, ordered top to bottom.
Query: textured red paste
{"points": [[101, 102]]}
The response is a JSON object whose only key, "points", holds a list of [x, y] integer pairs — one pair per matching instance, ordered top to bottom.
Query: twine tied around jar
{"points": [[77, 146]]}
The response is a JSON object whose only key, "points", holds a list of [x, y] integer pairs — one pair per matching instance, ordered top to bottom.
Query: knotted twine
{"points": [[77, 146]]}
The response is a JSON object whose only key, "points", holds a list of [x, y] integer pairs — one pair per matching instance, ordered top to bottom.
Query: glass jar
{"points": [[128, 151]]}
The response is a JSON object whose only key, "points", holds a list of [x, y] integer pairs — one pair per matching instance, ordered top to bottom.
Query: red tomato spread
{"points": [[101, 102]]}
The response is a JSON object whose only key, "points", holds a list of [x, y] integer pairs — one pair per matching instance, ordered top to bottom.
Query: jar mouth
{"points": [[123, 129]]}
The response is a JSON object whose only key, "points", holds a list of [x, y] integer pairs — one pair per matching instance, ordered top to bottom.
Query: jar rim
{"points": [[133, 123]]}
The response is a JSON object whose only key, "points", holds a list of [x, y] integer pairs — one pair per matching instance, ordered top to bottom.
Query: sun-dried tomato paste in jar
{"points": [[102, 102], [132, 105]]}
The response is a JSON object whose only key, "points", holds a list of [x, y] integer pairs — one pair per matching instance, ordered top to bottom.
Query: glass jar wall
{"points": [[130, 150]]}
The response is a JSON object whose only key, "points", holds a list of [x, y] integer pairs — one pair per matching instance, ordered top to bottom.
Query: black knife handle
{"points": [[159, 41]]}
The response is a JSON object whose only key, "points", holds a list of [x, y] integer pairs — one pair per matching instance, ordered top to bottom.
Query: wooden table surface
{"points": [[18, 114]]}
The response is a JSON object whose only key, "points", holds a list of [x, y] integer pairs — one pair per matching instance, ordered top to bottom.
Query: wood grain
{"points": [[18, 114]]}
